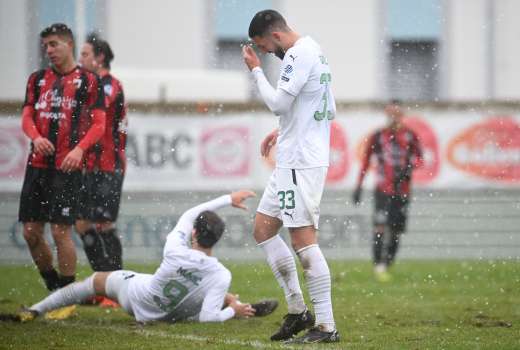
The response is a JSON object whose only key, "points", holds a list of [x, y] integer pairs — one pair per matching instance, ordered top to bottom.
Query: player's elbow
{"points": [[280, 108]]}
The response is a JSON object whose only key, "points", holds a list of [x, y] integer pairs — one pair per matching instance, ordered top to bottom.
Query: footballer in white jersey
{"points": [[305, 105], [304, 133], [189, 284]]}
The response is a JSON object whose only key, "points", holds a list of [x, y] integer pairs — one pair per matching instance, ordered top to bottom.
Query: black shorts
{"points": [[49, 195], [100, 196], [391, 210]]}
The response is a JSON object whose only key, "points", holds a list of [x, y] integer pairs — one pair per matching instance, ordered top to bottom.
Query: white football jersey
{"points": [[304, 135], [188, 284]]}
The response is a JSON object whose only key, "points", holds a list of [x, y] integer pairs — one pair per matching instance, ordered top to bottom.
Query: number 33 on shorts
{"points": [[286, 199]]}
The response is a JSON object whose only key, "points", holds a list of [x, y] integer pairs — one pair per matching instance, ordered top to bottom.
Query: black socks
{"points": [[103, 249], [54, 281]]}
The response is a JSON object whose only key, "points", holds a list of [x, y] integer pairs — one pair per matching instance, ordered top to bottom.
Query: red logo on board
{"points": [[490, 149], [225, 151]]}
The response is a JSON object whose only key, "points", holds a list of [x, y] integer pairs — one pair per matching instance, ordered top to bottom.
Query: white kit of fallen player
{"points": [[190, 284]]}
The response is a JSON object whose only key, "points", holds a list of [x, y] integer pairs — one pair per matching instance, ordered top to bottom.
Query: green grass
{"points": [[428, 305]]}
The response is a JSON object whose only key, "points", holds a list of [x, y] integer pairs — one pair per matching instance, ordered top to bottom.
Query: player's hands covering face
{"points": [[250, 57]]}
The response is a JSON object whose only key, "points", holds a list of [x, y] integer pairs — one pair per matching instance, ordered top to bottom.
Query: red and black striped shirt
{"points": [[58, 107], [109, 152], [397, 153]]}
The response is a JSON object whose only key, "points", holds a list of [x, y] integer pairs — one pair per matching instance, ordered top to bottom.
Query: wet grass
{"points": [[427, 305]]}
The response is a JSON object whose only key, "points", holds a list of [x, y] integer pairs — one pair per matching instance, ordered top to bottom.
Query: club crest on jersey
{"points": [[77, 83], [108, 89]]}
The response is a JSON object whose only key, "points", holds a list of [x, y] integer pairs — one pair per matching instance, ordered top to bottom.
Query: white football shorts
{"points": [[294, 196], [116, 288]]}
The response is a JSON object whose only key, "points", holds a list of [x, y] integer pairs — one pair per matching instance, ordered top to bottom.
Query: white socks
{"points": [[282, 263], [380, 268], [317, 276], [74, 293]]}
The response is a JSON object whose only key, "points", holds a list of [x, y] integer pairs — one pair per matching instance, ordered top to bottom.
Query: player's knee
{"points": [[81, 226], [265, 227], [61, 232], [32, 234], [32, 239], [100, 279]]}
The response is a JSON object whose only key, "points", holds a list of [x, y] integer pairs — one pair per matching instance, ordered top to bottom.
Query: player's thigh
{"points": [[299, 194], [65, 197], [268, 204], [382, 207], [84, 208], [398, 214], [33, 232], [302, 237], [116, 287]]}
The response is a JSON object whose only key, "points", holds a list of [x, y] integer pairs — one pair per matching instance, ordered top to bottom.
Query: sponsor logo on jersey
{"points": [[293, 57], [288, 69], [284, 78], [41, 82], [53, 99], [52, 115], [190, 276]]}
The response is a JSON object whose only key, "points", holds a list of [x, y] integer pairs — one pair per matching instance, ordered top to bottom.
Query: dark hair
{"points": [[265, 21], [57, 29], [100, 46], [395, 101], [209, 227]]}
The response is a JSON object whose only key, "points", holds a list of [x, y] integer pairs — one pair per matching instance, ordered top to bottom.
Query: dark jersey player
{"points": [[60, 101], [397, 152], [104, 168]]}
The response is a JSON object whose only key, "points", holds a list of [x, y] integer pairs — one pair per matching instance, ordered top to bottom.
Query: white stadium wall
{"points": [[350, 35], [506, 50], [479, 51], [14, 55]]}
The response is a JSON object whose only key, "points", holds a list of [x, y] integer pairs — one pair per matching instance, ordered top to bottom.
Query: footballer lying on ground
{"points": [[189, 284]]}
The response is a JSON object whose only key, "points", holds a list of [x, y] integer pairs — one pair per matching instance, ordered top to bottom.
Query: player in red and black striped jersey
{"points": [[60, 101], [397, 152], [105, 166]]}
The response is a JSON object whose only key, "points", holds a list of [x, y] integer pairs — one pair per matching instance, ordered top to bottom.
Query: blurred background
{"points": [[195, 120]]}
